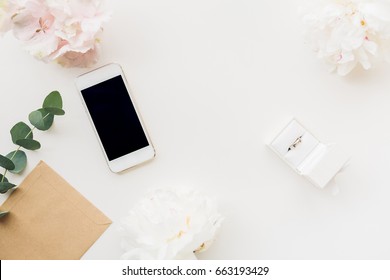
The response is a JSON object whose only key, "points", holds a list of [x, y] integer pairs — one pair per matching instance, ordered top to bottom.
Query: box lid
{"points": [[327, 167]]}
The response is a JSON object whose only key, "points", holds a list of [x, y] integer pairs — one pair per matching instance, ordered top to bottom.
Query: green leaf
{"points": [[53, 100], [53, 103], [55, 111], [41, 119], [21, 131], [29, 144], [19, 159], [6, 163], [1, 178], [6, 186], [2, 214]]}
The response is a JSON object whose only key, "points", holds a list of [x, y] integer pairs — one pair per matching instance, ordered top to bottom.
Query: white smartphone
{"points": [[114, 117]]}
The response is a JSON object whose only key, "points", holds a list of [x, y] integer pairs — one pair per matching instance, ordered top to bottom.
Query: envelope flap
{"points": [[72, 196]]}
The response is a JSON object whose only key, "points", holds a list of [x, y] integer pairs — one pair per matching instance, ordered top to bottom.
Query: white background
{"points": [[215, 80]]}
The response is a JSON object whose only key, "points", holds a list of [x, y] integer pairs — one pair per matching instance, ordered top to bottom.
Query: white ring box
{"points": [[317, 162]]}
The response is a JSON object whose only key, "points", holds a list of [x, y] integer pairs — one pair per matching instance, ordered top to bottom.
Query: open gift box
{"points": [[309, 157]]}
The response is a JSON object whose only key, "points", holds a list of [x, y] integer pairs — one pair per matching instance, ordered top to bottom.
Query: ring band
{"points": [[295, 144]]}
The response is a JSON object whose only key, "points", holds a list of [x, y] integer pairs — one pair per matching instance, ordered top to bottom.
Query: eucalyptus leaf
{"points": [[53, 100], [53, 103], [55, 111], [41, 119], [21, 131], [29, 144], [19, 159], [6, 163], [1, 178], [6, 186], [2, 214]]}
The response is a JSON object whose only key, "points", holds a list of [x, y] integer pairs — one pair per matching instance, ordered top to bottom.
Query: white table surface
{"points": [[214, 81]]}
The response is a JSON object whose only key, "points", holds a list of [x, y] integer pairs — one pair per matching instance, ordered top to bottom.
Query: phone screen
{"points": [[115, 118]]}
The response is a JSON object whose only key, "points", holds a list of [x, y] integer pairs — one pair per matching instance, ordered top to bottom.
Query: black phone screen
{"points": [[115, 118]]}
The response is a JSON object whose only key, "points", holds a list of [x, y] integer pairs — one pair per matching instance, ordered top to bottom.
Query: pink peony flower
{"points": [[65, 31]]}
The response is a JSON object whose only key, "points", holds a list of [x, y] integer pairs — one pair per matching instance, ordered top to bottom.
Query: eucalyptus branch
{"points": [[22, 135], [14, 153]]}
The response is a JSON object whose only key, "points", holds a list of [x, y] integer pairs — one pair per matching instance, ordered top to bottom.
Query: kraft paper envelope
{"points": [[48, 219]]}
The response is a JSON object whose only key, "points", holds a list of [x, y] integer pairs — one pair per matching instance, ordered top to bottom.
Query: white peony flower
{"points": [[347, 33], [170, 224]]}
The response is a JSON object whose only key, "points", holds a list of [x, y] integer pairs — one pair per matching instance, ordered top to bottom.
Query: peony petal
{"points": [[25, 25], [42, 47], [371, 47], [363, 59], [345, 68]]}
